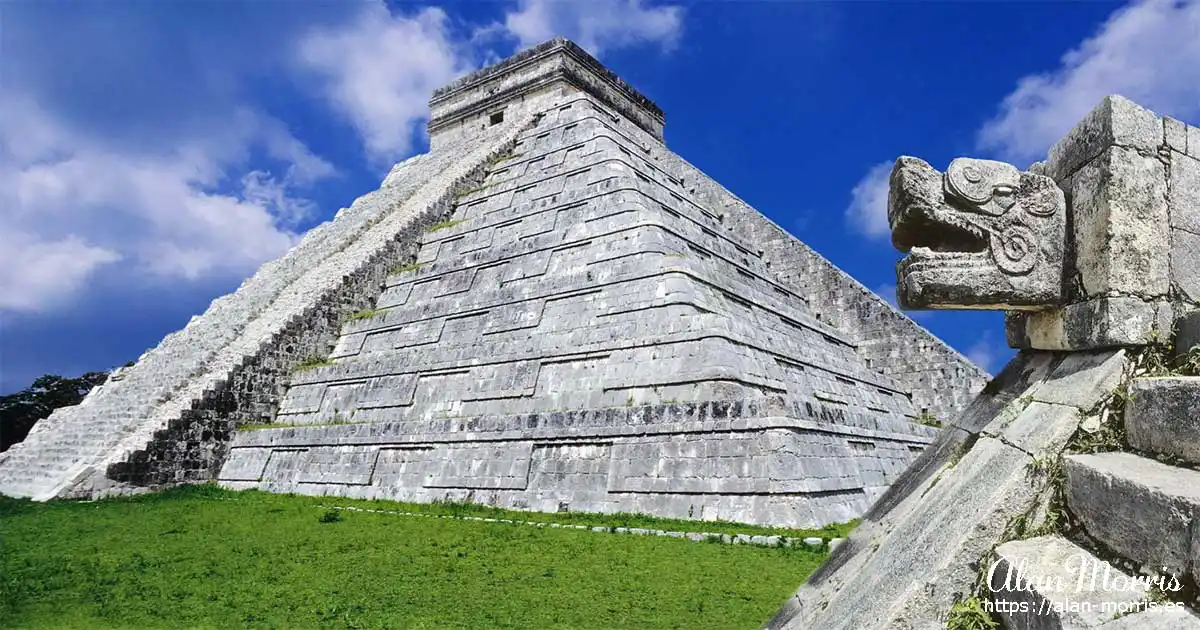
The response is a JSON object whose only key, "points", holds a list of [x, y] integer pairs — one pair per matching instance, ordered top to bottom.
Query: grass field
{"points": [[203, 557]]}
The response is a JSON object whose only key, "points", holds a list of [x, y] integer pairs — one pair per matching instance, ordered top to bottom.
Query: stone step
{"points": [[1163, 416], [1139, 508], [1048, 583]]}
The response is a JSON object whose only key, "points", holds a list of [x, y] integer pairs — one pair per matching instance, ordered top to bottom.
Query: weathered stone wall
{"points": [[557, 65], [1132, 181], [941, 380], [764, 460], [919, 547]]}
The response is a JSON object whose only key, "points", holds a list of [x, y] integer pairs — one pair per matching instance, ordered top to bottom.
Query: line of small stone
{"points": [[728, 539]]}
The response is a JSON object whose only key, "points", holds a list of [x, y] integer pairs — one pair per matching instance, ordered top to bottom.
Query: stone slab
{"points": [[1115, 121], [1175, 134], [1184, 192], [1120, 220], [1185, 263], [1098, 323], [1187, 330], [1082, 378], [1163, 416], [1039, 429], [1139, 508], [917, 551], [910, 573], [1050, 583]]}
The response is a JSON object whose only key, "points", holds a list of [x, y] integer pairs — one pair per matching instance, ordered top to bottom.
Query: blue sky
{"points": [[153, 154]]}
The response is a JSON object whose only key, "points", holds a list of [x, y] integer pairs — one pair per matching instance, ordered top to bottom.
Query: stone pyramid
{"points": [[549, 311]]}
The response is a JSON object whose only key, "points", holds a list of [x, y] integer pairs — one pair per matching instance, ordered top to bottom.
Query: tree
{"points": [[20, 411]]}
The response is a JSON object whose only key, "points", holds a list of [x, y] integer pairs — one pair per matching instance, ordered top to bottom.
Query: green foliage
{"points": [[502, 158], [471, 191], [444, 225], [406, 268], [364, 314], [1188, 362], [312, 363], [21, 410], [337, 419], [929, 420], [265, 425], [331, 516], [614, 520], [200, 556], [970, 614]]}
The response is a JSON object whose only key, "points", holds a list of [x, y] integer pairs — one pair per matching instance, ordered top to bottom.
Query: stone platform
{"points": [[760, 460]]}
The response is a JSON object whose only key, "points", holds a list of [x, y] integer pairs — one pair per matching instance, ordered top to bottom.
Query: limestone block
{"points": [[1115, 121], [1175, 134], [1193, 142], [1184, 192], [1120, 224], [1185, 263], [1098, 323], [1082, 378], [1163, 416], [1040, 429], [245, 464], [1142, 509], [913, 553], [1049, 583]]}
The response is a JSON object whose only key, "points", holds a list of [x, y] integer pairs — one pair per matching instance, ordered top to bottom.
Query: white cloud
{"points": [[596, 25], [1148, 51], [380, 69], [171, 172], [71, 205], [867, 212], [41, 273], [984, 353]]}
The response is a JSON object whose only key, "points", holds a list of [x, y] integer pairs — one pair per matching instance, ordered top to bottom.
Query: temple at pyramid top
{"points": [[481, 98], [549, 310]]}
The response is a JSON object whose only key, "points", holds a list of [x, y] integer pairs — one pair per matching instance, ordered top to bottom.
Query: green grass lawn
{"points": [[203, 557]]}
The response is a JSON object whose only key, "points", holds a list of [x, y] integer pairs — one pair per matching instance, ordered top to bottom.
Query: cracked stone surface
{"points": [[1120, 181], [1163, 416], [1140, 508], [1050, 583]]}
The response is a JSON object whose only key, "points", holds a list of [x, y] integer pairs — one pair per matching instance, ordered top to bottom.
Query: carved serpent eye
{"points": [[980, 182], [1004, 196], [1015, 249]]}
